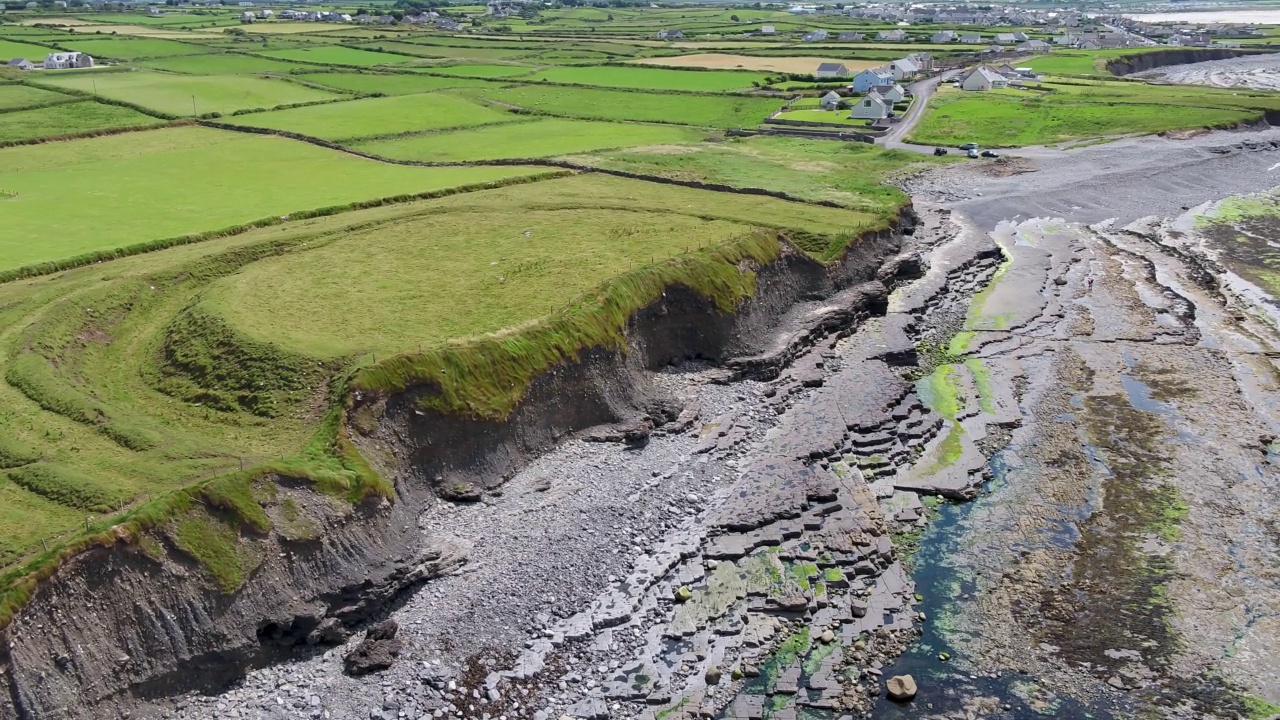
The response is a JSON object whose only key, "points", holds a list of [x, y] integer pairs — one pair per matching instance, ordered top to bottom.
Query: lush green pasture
{"points": [[132, 48], [10, 50], [481, 54], [328, 55], [1079, 62], [220, 64], [480, 71], [652, 78], [398, 84], [187, 94], [17, 96], [600, 104], [376, 117], [834, 117], [1012, 118], [67, 119], [538, 138], [851, 174], [84, 195], [481, 262]]}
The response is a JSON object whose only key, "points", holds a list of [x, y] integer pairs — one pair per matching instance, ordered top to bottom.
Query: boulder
{"points": [[683, 594], [377, 652], [712, 676], [901, 688]]}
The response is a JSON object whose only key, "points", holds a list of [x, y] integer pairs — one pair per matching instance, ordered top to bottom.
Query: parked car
{"points": [[969, 146], [939, 151], [973, 153], [990, 153]]}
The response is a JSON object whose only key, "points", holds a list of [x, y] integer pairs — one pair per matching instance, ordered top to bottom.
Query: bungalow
{"points": [[154, 11], [265, 14], [288, 14], [246, 16], [454, 26], [768, 30], [670, 34], [815, 36], [891, 36], [944, 36], [850, 37], [1020, 37], [971, 38], [1005, 39], [1066, 39], [1090, 45], [1035, 46], [993, 49], [923, 60], [67, 61], [20, 64], [904, 69], [831, 70], [983, 78], [867, 79], [893, 93], [830, 101], [871, 107]]}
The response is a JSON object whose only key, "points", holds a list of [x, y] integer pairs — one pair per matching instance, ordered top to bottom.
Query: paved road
{"points": [[922, 90]]}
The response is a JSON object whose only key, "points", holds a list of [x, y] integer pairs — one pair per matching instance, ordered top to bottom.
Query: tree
{"points": [[734, 18]]}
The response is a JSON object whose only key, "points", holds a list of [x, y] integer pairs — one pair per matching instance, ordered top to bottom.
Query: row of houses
{"points": [[429, 17], [54, 61]]}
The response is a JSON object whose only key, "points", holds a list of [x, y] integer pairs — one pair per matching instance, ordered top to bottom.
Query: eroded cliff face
{"points": [[1138, 62], [119, 626]]}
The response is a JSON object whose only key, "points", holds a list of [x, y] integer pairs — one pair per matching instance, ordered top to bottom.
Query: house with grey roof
{"points": [[815, 36], [850, 37], [67, 61], [20, 64], [832, 70], [983, 78], [867, 79], [893, 93], [830, 101], [870, 107]]}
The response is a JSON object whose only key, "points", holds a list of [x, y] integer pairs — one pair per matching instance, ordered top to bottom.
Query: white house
{"points": [[154, 11], [265, 14], [246, 16], [768, 30], [670, 34], [815, 36], [891, 36], [944, 36], [850, 37], [971, 38], [1005, 38], [1035, 46], [67, 61], [20, 64], [904, 69], [831, 70], [983, 78], [893, 93], [830, 101], [870, 107]]}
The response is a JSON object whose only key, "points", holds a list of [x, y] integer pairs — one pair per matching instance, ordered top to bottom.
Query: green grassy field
{"points": [[131, 48], [10, 50], [473, 54], [338, 56], [1079, 62], [220, 64], [480, 71], [656, 78], [400, 84], [187, 95], [18, 96], [593, 104], [376, 117], [1013, 118], [67, 119], [535, 139], [851, 174], [93, 187], [550, 241]]}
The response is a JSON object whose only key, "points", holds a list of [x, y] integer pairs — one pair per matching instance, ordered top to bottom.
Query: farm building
{"points": [[265, 14], [246, 16], [768, 30], [670, 34], [815, 36], [67, 61], [21, 64], [831, 70], [983, 78], [867, 79], [830, 101], [871, 107]]}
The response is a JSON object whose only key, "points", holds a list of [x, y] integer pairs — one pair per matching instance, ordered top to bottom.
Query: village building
{"points": [[768, 30], [670, 34], [814, 36], [944, 36], [850, 37], [971, 38], [1035, 46], [67, 61], [21, 64], [904, 69], [831, 70], [983, 78], [867, 79], [894, 93], [830, 101], [871, 107]]}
